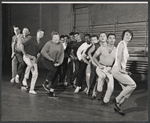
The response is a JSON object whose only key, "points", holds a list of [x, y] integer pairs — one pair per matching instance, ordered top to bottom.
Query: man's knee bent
{"points": [[100, 74], [133, 86]]}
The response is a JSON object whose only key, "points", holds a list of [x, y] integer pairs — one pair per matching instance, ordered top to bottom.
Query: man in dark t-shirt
{"points": [[75, 47], [69, 51], [30, 57]]}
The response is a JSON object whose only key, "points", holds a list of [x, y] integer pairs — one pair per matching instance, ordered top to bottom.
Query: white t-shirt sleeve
{"points": [[80, 51]]}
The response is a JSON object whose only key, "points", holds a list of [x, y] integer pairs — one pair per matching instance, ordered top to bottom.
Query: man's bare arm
{"points": [[97, 54]]}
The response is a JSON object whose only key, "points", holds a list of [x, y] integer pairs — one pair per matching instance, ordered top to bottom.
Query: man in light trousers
{"points": [[31, 56], [106, 56]]}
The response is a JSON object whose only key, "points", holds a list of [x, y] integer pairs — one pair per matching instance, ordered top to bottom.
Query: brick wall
{"points": [[65, 17]]}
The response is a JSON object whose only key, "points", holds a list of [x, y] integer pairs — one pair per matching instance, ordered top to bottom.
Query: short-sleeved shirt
{"points": [[75, 46], [31, 47]]}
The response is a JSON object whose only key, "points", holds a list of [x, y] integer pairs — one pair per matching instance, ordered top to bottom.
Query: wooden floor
{"points": [[18, 105]]}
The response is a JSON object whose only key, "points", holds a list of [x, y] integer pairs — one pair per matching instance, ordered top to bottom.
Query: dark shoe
{"points": [[18, 86], [45, 87], [89, 93], [53, 96], [99, 96], [93, 98], [114, 101], [106, 104], [119, 111]]}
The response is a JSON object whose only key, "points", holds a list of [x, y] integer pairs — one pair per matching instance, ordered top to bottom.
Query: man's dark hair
{"points": [[16, 26], [71, 33], [76, 33], [123, 33], [111, 34], [87, 35], [62, 36], [66, 36], [94, 36]]}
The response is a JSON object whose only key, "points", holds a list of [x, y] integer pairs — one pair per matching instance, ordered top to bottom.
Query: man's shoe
{"points": [[12, 80], [18, 85], [45, 87], [24, 88], [77, 89], [32, 92], [53, 96], [99, 96], [93, 98], [106, 104]]}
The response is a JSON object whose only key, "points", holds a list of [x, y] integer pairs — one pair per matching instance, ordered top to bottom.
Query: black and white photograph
{"points": [[74, 61]]}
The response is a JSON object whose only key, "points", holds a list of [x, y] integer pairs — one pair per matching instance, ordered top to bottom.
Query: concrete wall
{"points": [[110, 13], [25, 15], [50, 17], [65, 25]]}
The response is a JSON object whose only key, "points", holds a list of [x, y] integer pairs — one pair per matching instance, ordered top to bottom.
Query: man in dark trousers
{"points": [[75, 47], [70, 59]]}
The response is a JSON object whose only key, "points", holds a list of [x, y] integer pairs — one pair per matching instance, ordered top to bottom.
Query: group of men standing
{"points": [[70, 57], [89, 58]]}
